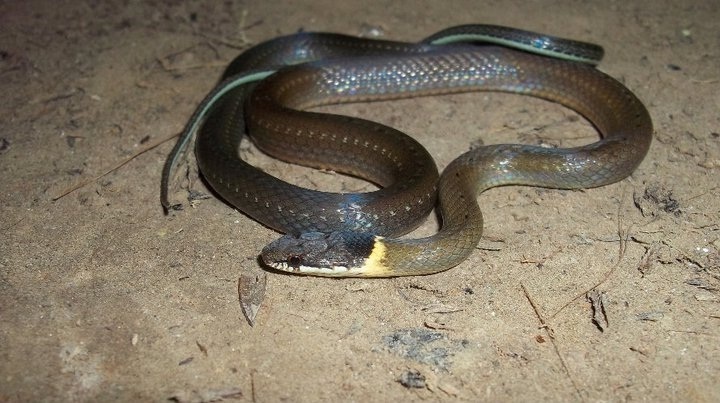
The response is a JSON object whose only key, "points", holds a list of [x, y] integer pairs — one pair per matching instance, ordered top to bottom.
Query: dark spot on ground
{"points": [[656, 198], [424, 346]]}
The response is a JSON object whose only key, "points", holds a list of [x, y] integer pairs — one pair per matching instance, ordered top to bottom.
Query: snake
{"points": [[268, 90]]}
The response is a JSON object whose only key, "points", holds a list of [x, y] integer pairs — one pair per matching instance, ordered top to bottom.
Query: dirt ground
{"points": [[102, 297]]}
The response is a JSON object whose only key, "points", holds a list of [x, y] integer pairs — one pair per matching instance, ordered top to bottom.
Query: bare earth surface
{"points": [[103, 297]]}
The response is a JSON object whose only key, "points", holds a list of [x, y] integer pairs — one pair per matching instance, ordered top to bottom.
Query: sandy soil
{"points": [[102, 297]]}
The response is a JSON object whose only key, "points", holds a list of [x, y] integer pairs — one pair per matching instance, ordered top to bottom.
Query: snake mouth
{"points": [[283, 266], [332, 271]]}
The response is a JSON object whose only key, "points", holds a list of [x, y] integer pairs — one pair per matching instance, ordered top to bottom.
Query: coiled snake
{"points": [[267, 88]]}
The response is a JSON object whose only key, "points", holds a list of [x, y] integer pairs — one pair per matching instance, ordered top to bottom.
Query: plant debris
{"points": [[251, 292], [597, 300], [412, 379]]}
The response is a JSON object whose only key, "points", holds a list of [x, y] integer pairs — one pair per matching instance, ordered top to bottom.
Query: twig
{"points": [[243, 27], [244, 43], [167, 67], [56, 97], [112, 169], [711, 191], [2, 230], [624, 236], [693, 332], [551, 336], [252, 386]]}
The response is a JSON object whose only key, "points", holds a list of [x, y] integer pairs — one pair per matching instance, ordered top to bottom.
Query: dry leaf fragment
{"points": [[647, 260], [251, 291], [597, 300], [652, 316], [202, 348], [412, 379], [206, 396]]}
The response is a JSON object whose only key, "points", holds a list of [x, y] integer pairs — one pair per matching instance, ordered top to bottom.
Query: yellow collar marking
{"points": [[374, 265]]}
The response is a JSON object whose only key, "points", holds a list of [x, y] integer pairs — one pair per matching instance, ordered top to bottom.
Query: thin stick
{"points": [[112, 169], [624, 236], [552, 340]]}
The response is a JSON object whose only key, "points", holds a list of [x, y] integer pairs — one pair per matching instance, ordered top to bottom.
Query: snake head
{"points": [[321, 254]]}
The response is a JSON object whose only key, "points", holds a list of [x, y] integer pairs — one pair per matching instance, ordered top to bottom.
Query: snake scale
{"points": [[267, 90]]}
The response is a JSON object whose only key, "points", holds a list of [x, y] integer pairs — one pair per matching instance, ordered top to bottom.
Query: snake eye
{"points": [[294, 261]]}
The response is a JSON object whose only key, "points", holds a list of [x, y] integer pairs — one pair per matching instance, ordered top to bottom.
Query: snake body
{"points": [[355, 235]]}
